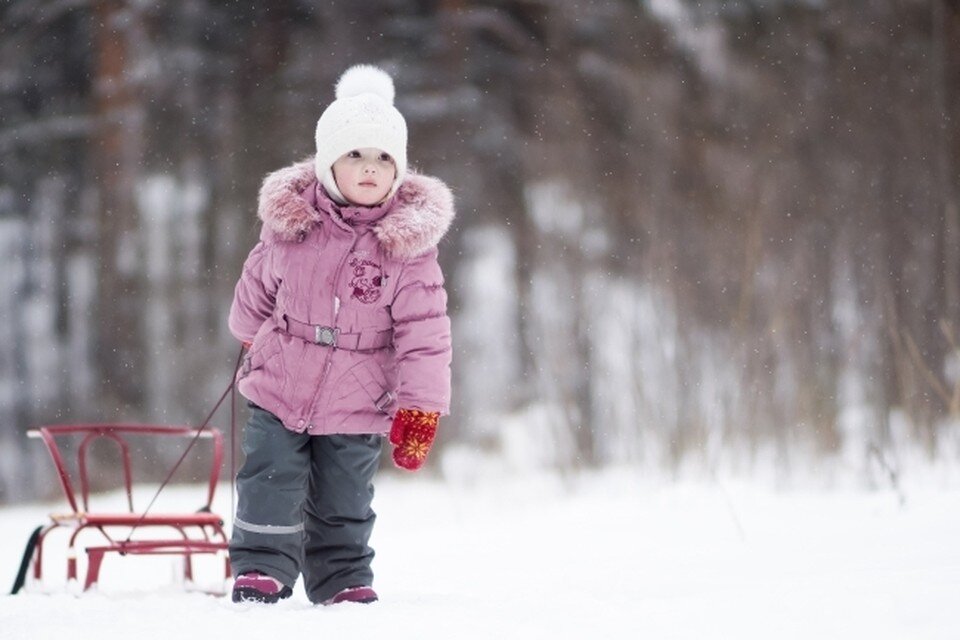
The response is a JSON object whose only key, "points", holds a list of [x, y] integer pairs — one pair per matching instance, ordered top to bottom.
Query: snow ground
{"points": [[611, 555]]}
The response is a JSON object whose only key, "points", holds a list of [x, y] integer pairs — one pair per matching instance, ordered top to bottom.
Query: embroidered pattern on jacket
{"points": [[368, 279]]}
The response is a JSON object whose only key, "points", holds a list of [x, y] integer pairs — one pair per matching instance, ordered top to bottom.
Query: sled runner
{"points": [[186, 534]]}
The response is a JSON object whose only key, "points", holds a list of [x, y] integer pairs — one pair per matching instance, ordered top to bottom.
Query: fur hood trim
{"points": [[420, 216]]}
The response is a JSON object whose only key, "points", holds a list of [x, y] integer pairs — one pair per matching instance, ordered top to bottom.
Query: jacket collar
{"points": [[350, 214], [416, 218]]}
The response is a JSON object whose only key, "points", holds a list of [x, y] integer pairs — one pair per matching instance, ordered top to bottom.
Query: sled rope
{"points": [[228, 391]]}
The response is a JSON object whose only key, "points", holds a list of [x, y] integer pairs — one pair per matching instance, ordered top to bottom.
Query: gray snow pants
{"points": [[303, 506]]}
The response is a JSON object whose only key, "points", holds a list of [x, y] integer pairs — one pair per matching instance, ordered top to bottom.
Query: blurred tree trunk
{"points": [[945, 44], [945, 68], [117, 152]]}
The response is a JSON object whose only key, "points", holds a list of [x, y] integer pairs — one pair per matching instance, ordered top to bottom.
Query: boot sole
{"points": [[249, 594]]}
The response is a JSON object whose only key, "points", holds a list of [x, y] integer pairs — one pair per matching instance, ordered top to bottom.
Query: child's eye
{"points": [[353, 154], [385, 157]]}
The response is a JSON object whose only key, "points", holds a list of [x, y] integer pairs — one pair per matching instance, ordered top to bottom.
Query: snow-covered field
{"points": [[612, 555]]}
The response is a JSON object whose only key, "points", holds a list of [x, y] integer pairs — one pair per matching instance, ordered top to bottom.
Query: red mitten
{"points": [[412, 435]]}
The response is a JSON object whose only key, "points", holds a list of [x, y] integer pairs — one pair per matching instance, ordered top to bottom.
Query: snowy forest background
{"points": [[689, 233]]}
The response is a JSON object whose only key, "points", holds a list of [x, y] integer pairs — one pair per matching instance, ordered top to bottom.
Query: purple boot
{"points": [[254, 586], [362, 594]]}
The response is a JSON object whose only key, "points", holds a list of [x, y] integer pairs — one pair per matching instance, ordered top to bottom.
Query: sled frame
{"points": [[189, 534]]}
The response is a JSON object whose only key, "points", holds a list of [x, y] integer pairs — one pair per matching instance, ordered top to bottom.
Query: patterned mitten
{"points": [[412, 435]]}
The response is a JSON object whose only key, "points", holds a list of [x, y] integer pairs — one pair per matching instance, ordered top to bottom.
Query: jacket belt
{"points": [[366, 340]]}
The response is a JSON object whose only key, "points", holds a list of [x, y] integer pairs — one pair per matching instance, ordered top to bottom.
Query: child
{"points": [[343, 310]]}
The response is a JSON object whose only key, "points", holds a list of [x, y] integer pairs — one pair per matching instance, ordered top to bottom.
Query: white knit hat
{"points": [[362, 115]]}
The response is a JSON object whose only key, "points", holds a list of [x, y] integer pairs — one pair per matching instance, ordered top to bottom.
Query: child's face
{"points": [[364, 176]]}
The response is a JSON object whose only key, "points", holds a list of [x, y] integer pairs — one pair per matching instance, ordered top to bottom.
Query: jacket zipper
{"points": [[336, 314]]}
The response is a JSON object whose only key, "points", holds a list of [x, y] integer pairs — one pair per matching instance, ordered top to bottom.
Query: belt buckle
{"points": [[327, 336], [385, 399]]}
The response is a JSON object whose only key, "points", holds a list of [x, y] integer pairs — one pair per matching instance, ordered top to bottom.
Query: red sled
{"points": [[187, 534]]}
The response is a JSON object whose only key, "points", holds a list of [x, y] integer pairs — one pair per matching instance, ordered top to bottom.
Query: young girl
{"points": [[342, 307]]}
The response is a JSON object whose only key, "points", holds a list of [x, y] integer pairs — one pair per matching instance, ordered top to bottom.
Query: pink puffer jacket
{"points": [[345, 306]]}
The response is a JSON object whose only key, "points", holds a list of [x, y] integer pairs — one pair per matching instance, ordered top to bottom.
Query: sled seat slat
{"points": [[132, 519]]}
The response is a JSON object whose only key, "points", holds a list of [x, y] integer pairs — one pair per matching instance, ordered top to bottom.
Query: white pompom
{"points": [[364, 78]]}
